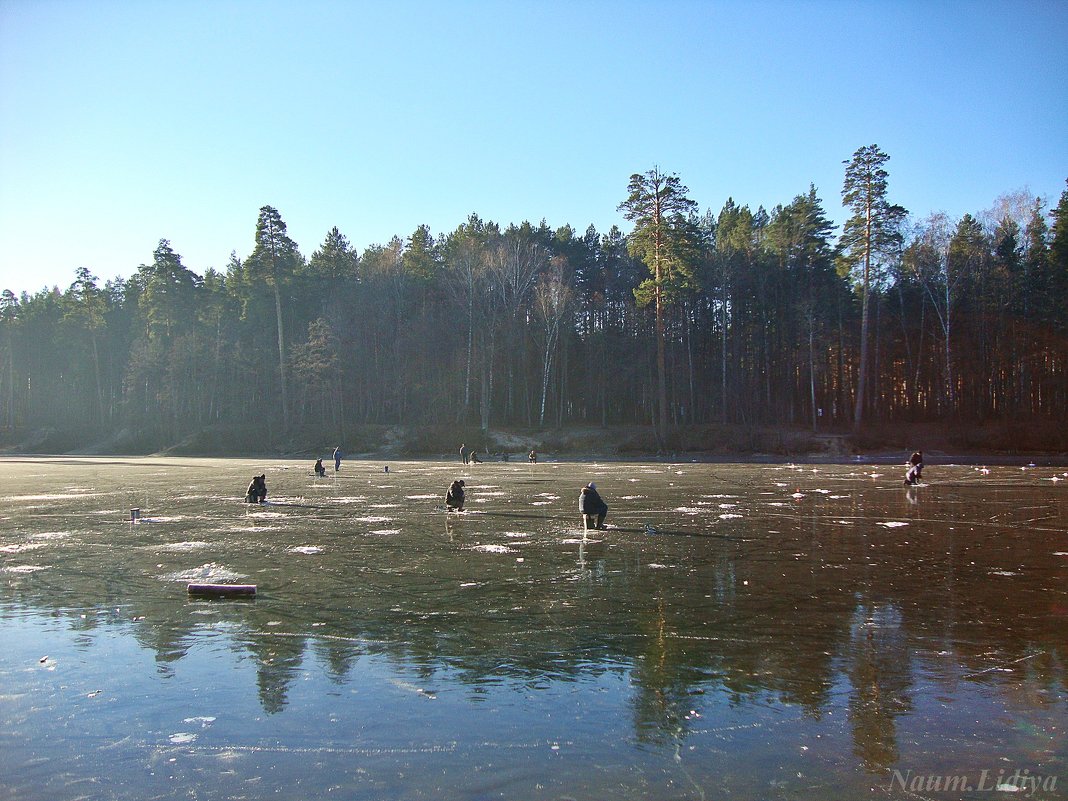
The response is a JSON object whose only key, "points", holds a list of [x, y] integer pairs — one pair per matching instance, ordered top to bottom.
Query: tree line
{"points": [[740, 317]]}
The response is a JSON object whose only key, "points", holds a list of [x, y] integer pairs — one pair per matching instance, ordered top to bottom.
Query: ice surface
{"points": [[736, 626]]}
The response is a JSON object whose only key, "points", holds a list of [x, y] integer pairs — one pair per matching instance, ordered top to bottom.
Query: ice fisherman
{"points": [[463, 452], [532, 457], [337, 458], [319, 469], [915, 471], [257, 489], [454, 498], [591, 506]]}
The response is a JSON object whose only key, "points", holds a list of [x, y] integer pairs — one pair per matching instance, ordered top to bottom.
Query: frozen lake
{"points": [[739, 631]]}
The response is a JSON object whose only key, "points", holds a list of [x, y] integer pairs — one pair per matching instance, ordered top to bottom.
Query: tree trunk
{"points": [[281, 357]]}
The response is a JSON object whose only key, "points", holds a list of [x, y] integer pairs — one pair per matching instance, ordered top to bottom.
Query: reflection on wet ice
{"points": [[726, 616]]}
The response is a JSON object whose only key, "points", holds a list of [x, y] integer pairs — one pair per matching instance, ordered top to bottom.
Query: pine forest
{"points": [[741, 317]]}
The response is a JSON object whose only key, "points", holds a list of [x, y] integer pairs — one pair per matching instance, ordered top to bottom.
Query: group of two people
{"points": [[321, 471], [591, 506]]}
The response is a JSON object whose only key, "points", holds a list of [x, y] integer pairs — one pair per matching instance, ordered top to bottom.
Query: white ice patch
{"points": [[492, 494], [548, 495], [63, 497], [421, 497], [632, 497], [688, 510], [729, 516], [374, 519], [892, 524], [384, 532], [50, 535], [21, 547], [182, 547], [492, 548], [306, 549], [1060, 553], [658, 566], [24, 568], [210, 573], [1003, 573], [204, 721], [182, 738]]}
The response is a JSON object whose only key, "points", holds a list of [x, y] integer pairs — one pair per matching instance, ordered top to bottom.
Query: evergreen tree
{"points": [[869, 237], [665, 239], [273, 261], [1058, 263]]}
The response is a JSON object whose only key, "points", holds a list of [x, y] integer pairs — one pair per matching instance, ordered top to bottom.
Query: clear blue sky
{"points": [[125, 122]]}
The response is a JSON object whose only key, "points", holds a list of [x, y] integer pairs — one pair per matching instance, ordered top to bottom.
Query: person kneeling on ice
{"points": [[319, 469], [915, 471], [257, 489], [454, 498], [591, 506]]}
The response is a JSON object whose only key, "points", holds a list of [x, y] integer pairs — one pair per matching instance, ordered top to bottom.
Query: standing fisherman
{"points": [[337, 458]]}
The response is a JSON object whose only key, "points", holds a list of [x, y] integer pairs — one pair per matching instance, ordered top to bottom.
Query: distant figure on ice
{"points": [[463, 453], [532, 457], [337, 458], [474, 458], [319, 469], [915, 471], [257, 489], [454, 498], [592, 508]]}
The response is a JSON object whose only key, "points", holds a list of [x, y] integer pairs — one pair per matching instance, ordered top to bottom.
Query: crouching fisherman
{"points": [[915, 471], [257, 489], [454, 498], [592, 508]]}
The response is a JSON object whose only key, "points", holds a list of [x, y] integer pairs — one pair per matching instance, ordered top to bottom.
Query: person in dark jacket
{"points": [[464, 455], [337, 458], [319, 469], [915, 471], [257, 489], [454, 498], [591, 506]]}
